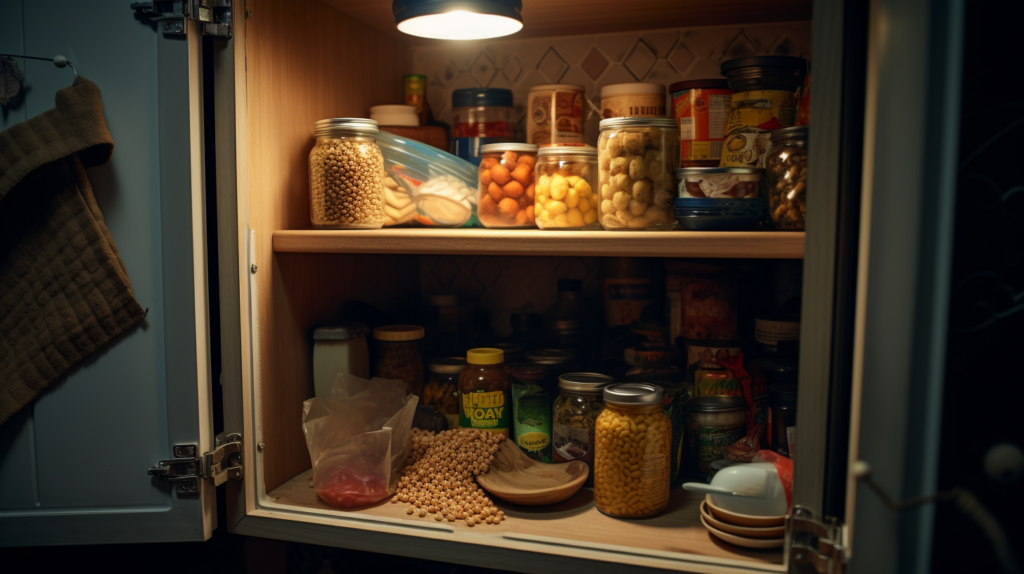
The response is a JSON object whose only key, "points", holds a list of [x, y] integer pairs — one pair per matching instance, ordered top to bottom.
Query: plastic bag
{"points": [[358, 439], [784, 466]]}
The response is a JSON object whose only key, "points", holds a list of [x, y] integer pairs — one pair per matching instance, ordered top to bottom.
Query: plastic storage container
{"points": [[638, 99], [701, 108], [482, 113], [394, 115], [554, 115], [637, 158], [346, 172], [786, 181], [719, 182], [425, 185], [506, 185], [566, 195], [707, 214], [340, 349], [398, 355], [485, 392], [575, 411], [632, 459]]}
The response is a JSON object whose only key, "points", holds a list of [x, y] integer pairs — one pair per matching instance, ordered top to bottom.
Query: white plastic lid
{"points": [[563, 87], [633, 88], [395, 115]]}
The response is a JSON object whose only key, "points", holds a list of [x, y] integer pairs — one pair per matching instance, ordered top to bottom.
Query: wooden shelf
{"points": [[726, 244], [574, 524]]}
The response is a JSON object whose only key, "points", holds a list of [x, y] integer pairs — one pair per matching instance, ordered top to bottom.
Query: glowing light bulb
{"points": [[460, 25]]}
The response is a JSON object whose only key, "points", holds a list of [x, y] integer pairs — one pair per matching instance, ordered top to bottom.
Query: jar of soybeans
{"points": [[346, 175], [632, 460]]}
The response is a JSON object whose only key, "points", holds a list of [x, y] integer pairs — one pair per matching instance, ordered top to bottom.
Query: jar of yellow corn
{"points": [[632, 457]]}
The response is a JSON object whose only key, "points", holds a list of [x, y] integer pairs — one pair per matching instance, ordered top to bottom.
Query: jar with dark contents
{"points": [[786, 177], [398, 355], [442, 389], [485, 392], [579, 403], [531, 410]]}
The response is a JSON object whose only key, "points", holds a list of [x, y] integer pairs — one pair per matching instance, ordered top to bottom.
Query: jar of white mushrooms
{"points": [[637, 158], [346, 175]]}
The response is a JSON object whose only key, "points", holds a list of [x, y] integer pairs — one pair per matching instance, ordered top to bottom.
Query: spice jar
{"points": [[555, 115], [637, 158], [346, 175], [786, 178], [506, 185], [565, 198], [340, 349], [398, 355], [442, 390], [485, 392], [579, 403], [531, 411], [712, 424], [632, 458]]}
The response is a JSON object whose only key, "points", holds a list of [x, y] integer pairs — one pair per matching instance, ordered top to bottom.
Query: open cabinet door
{"points": [[74, 463]]}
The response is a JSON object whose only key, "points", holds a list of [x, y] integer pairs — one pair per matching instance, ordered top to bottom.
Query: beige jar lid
{"points": [[563, 87], [632, 89], [398, 333]]}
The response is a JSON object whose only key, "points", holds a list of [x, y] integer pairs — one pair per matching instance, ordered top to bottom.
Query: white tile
{"points": [[661, 41], [616, 46], [574, 48], [663, 73]]}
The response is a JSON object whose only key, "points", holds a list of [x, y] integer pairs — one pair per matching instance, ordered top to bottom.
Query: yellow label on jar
{"points": [[765, 109], [485, 411], [534, 440]]}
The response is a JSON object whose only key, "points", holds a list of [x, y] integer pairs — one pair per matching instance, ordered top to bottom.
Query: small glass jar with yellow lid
{"points": [[485, 392]]}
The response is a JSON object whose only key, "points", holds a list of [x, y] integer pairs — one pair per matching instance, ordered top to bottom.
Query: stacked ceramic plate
{"points": [[744, 530]]}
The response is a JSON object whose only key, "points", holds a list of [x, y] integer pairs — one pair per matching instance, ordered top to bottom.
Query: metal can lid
{"points": [[764, 62], [709, 84], [563, 87], [617, 123], [331, 126], [792, 132], [508, 146], [585, 152], [692, 171], [341, 332], [398, 333], [550, 356], [447, 365], [527, 371], [592, 383], [634, 394], [715, 404]]}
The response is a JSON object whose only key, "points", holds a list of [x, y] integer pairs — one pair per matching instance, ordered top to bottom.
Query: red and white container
{"points": [[701, 108]]}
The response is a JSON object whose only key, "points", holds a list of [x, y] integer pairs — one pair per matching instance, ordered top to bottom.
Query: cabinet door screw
{"points": [[253, 268]]}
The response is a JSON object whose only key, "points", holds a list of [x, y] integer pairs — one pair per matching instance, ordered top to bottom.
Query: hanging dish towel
{"points": [[64, 291]]}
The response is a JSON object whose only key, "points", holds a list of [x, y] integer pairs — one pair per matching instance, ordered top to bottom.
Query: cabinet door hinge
{"points": [[213, 17], [216, 467], [815, 545]]}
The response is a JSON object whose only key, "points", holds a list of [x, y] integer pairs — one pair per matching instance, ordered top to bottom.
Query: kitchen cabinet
{"points": [[288, 64]]}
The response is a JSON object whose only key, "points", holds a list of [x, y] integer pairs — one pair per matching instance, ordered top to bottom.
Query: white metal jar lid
{"points": [[616, 123], [332, 126], [490, 148], [586, 152], [634, 394]]}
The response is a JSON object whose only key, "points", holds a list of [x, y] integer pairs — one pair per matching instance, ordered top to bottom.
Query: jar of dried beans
{"points": [[637, 160], [346, 174], [786, 176], [506, 185], [565, 193], [579, 403], [632, 459]]}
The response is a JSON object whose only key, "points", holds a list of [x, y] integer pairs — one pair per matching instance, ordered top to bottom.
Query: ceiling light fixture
{"points": [[458, 19]]}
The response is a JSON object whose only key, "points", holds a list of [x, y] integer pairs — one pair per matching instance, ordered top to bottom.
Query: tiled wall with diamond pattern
{"points": [[594, 61]]}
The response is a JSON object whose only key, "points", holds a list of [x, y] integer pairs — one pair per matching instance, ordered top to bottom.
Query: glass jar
{"points": [[482, 113], [554, 115], [637, 158], [346, 175], [786, 178], [506, 185], [565, 197], [340, 349], [398, 355], [442, 390], [485, 392], [579, 403], [531, 411], [782, 419], [712, 424], [632, 458]]}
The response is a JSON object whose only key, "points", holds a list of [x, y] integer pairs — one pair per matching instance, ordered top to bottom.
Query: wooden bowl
{"points": [[517, 478], [743, 519], [747, 531], [743, 540]]}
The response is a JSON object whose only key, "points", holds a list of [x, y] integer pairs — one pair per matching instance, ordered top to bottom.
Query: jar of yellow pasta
{"points": [[632, 458]]}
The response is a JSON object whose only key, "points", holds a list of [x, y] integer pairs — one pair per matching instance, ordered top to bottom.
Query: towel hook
{"points": [[58, 60]]}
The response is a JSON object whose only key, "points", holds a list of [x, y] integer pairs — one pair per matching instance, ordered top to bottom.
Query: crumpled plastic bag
{"points": [[358, 439], [784, 466]]}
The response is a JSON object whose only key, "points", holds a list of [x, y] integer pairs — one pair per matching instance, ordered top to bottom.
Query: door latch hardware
{"points": [[213, 17], [216, 467], [815, 545]]}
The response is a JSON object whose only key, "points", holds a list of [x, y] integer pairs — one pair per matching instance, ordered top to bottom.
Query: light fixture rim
{"points": [[408, 9]]}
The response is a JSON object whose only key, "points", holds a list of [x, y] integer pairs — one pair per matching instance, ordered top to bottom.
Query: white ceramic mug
{"points": [[754, 489]]}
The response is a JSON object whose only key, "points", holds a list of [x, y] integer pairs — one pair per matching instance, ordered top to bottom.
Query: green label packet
{"points": [[485, 410], [532, 428]]}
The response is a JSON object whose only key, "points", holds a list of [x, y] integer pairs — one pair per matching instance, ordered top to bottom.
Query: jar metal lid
{"points": [[764, 62], [709, 84], [565, 87], [632, 88], [472, 97], [617, 123], [333, 126], [792, 132], [508, 146], [585, 152], [692, 171], [342, 332], [398, 333], [485, 356], [550, 356], [447, 365], [527, 371], [584, 382], [634, 394], [716, 404]]}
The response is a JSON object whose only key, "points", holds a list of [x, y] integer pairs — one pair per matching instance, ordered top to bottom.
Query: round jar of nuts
{"points": [[637, 158], [346, 174], [786, 177], [506, 185], [565, 197], [632, 461]]}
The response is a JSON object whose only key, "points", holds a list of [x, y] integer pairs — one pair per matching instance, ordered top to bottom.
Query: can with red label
{"points": [[701, 108]]}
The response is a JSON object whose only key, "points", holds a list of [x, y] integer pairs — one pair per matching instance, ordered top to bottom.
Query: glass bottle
{"points": [[786, 177], [485, 392]]}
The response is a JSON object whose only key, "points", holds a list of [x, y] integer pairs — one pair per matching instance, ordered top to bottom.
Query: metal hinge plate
{"points": [[213, 17], [185, 469], [815, 546]]}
